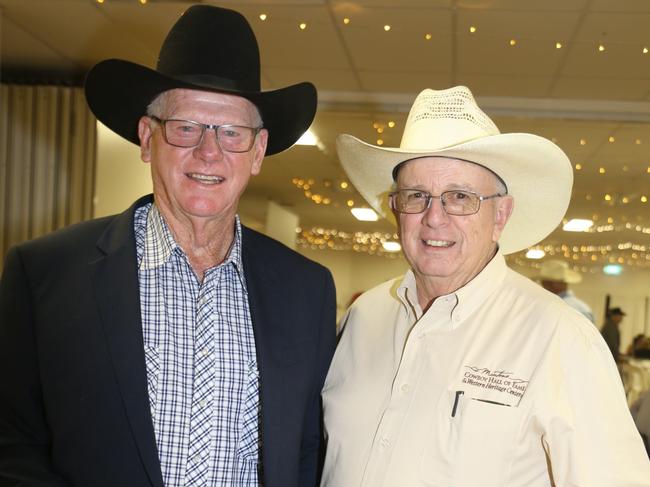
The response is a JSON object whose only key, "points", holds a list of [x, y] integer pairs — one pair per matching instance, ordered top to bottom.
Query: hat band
{"points": [[215, 82]]}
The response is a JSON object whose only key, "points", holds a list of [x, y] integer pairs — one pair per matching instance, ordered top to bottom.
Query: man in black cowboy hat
{"points": [[170, 345]]}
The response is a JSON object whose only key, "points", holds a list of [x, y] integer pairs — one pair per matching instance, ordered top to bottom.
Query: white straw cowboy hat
{"points": [[448, 123], [558, 270]]}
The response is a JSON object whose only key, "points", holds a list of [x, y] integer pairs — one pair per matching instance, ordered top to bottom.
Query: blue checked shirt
{"points": [[201, 366]]}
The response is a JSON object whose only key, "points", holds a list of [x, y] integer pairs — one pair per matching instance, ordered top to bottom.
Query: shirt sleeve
{"points": [[588, 432]]}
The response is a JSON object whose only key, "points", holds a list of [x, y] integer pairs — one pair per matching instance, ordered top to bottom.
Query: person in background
{"points": [[555, 276], [611, 331], [171, 345], [464, 373], [641, 413]]}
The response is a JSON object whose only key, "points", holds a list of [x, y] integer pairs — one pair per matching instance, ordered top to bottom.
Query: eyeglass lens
{"points": [[232, 138], [454, 202]]}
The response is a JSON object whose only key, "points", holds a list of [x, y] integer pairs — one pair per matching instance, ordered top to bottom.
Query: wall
{"points": [[121, 176]]}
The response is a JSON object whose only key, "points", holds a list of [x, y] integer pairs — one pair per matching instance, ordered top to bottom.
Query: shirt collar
{"points": [[159, 244], [462, 302]]}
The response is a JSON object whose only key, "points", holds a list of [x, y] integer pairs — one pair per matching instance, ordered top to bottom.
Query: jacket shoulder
{"points": [[276, 254]]}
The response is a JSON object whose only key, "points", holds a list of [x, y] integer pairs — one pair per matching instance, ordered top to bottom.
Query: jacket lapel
{"points": [[115, 278]]}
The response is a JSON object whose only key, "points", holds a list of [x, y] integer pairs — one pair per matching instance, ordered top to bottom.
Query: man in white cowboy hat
{"points": [[555, 276], [170, 345], [464, 373]]}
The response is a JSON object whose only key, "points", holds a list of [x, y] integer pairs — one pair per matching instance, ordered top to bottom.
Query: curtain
{"points": [[47, 161]]}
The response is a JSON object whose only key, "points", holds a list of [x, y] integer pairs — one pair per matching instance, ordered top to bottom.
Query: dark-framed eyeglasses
{"points": [[187, 133], [455, 202]]}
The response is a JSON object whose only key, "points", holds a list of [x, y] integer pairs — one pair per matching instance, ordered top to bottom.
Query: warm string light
{"points": [[318, 197], [332, 239], [629, 253]]}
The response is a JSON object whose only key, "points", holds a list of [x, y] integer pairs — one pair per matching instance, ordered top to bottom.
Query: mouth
{"points": [[205, 178], [438, 243]]}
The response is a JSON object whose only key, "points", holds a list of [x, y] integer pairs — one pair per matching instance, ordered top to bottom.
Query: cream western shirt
{"points": [[499, 384]]}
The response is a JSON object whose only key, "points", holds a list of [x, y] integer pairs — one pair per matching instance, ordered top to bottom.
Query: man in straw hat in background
{"points": [[555, 276], [170, 345], [463, 373]]}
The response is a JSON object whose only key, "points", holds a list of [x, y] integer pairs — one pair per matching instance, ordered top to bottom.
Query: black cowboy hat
{"points": [[208, 48]]}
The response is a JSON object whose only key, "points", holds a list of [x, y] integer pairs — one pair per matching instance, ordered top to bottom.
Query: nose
{"points": [[209, 148], [435, 215]]}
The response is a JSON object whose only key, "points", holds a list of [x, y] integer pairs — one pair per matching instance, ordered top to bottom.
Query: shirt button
{"points": [[204, 352], [405, 387], [202, 403], [196, 458]]}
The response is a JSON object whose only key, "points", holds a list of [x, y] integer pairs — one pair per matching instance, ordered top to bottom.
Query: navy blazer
{"points": [[74, 408]]}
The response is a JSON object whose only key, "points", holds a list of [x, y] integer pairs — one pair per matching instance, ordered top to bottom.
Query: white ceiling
{"points": [[365, 74]]}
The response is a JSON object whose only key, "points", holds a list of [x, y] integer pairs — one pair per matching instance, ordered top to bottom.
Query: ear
{"points": [[145, 133], [259, 150], [503, 210]]}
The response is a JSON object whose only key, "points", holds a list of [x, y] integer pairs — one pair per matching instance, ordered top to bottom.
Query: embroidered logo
{"points": [[497, 382]]}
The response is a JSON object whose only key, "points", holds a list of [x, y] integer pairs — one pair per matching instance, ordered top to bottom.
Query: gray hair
{"points": [[160, 105]]}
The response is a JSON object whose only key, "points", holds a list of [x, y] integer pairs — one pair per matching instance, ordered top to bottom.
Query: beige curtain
{"points": [[47, 161]]}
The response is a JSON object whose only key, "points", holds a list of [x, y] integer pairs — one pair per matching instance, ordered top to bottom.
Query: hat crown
{"points": [[209, 45], [444, 118]]}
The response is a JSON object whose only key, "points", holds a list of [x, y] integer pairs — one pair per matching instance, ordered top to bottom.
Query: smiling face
{"points": [[202, 182], [445, 251]]}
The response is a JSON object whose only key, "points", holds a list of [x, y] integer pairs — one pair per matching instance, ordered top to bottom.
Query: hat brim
{"points": [[118, 93], [537, 173]]}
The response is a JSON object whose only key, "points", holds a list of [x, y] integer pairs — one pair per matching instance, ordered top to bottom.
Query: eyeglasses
{"points": [[186, 133], [455, 202]]}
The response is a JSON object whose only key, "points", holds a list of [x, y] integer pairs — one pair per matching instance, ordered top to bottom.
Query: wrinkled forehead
{"points": [[178, 98], [462, 162]]}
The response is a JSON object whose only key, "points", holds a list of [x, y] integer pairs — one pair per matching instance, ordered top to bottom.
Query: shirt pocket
{"points": [[152, 361], [249, 440], [472, 448]]}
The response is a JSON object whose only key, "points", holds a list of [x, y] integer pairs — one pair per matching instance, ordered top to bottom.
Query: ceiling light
{"points": [[100, 1], [143, 2], [262, 17], [346, 21], [302, 26], [386, 27], [472, 29], [427, 36], [513, 42], [558, 45], [601, 48], [645, 50], [391, 124], [380, 130], [308, 138], [611, 138], [637, 141], [380, 142], [583, 142], [578, 166], [601, 170], [344, 184], [608, 197], [644, 199], [625, 200], [350, 203], [364, 214], [577, 225], [391, 246], [535, 254], [613, 269]]}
